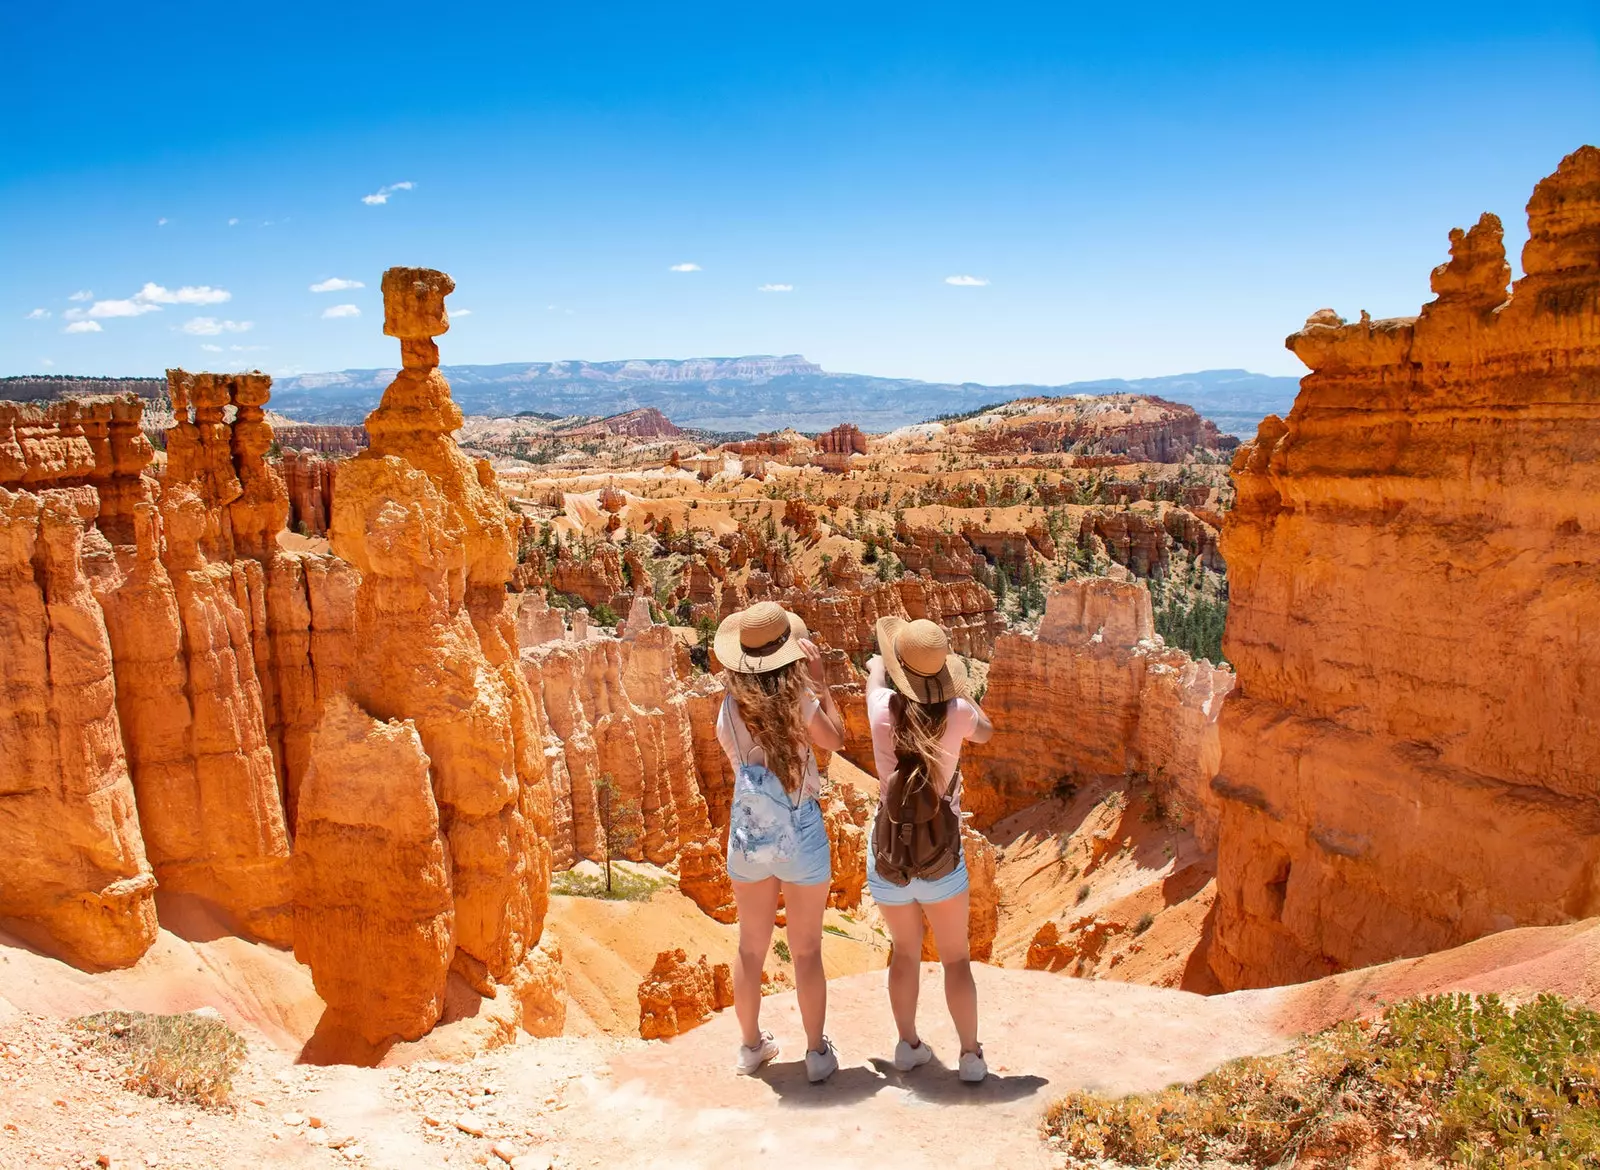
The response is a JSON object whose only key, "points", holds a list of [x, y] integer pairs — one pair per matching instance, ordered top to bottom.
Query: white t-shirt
{"points": [[960, 721], [738, 743]]}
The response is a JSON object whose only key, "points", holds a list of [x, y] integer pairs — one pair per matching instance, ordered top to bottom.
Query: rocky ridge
{"points": [[1408, 761]]}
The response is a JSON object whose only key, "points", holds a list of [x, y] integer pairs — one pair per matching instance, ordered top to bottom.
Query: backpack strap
{"points": [[729, 711]]}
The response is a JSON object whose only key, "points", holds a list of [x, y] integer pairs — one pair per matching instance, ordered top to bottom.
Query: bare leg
{"points": [[758, 905], [805, 905], [949, 921], [905, 969]]}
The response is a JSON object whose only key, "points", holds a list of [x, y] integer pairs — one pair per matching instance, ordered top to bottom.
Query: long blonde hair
{"points": [[769, 703], [918, 728]]}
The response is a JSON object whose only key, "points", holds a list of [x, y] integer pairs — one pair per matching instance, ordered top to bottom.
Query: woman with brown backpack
{"points": [[777, 705], [920, 712]]}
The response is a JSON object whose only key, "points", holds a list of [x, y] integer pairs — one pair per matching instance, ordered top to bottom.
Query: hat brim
{"points": [[731, 653], [950, 683]]}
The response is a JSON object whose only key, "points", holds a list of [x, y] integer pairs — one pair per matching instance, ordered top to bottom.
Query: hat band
{"points": [[766, 648], [909, 669]]}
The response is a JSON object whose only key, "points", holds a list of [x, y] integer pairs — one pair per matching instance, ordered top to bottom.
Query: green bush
{"points": [[626, 885], [188, 1057], [1458, 1080]]}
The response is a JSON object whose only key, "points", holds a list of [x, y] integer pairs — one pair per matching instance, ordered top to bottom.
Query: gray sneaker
{"points": [[907, 1058], [751, 1059], [822, 1065], [973, 1068]]}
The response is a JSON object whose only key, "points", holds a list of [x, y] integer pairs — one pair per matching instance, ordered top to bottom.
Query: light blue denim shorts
{"points": [[811, 866], [917, 890]]}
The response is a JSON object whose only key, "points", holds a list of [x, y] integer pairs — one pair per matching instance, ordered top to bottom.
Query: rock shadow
{"points": [[336, 1042]]}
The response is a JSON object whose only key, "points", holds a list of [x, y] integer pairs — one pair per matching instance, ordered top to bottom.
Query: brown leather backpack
{"points": [[918, 832]]}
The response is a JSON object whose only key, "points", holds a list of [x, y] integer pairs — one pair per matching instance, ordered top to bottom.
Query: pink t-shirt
{"points": [[961, 720]]}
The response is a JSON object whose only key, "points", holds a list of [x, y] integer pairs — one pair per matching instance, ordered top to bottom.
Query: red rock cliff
{"points": [[1410, 761]]}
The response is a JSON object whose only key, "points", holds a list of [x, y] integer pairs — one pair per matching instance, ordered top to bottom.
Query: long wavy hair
{"points": [[769, 704], [918, 728]]}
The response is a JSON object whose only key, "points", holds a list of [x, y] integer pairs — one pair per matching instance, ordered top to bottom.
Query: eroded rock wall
{"points": [[1095, 693], [1410, 760]]}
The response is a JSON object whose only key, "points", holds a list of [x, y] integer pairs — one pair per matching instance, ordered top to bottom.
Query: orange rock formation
{"points": [[435, 644], [1095, 693], [1410, 761], [374, 917], [678, 995]]}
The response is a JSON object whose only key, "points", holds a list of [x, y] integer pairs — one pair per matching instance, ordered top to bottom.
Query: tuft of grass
{"points": [[625, 885], [1083, 893], [1146, 921], [830, 928], [781, 949], [190, 1058], [1459, 1080]]}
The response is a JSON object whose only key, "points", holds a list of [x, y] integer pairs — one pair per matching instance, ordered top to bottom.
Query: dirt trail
{"points": [[599, 1101]]}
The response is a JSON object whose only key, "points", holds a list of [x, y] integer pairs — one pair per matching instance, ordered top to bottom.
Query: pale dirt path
{"points": [[578, 1102]]}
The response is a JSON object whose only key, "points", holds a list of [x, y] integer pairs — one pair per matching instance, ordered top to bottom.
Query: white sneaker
{"points": [[907, 1058], [751, 1059], [821, 1065], [973, 1069]]}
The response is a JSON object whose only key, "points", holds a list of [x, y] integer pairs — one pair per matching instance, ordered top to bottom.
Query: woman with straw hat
{"points": [[776, 706], [920, 712]]}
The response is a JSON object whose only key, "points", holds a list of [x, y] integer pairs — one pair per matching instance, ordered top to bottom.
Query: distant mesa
{"points": [[647, 423]]}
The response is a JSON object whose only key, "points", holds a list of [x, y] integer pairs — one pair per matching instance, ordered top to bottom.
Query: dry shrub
{"points": [[188, 1057], [1453, 1080]]}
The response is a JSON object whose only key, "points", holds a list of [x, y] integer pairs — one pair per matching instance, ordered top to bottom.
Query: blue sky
{"points": [[1145, 190]]}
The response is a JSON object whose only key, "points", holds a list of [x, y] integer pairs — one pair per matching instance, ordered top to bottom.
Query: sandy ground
{"points": [[602, 1101]]}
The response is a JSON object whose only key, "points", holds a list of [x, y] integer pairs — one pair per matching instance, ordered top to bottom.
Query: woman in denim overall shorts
{"points": [[777, 706]]}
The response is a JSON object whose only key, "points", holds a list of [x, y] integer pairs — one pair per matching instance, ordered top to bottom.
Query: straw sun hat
{"points": [[761, 638], [917, 659]]}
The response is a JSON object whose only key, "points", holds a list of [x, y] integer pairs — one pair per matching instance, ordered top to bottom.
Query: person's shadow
{"points": [[933, 1083]]}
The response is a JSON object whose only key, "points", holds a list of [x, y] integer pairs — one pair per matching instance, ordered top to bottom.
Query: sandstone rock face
{"points": [[322, 439], [87, 441], [226, 460], [308, 479], [435, 643], [1096, 693], [623, 709], [1410, 761], [209, 800], [76, 878], [374, 913], [678, 995]]}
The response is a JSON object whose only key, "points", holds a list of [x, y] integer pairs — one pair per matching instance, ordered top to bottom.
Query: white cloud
{"points": [[381, 195], [234, 221], [162, 222], [685, 267], [967, 281], [336, 284], [776, 288], [82, 294], [189, 294], [103, 309], [335, 311], [454, 313], [37, 315], [210, 326], [83, 327], [209, 348], [247, 348], [46, 363]]}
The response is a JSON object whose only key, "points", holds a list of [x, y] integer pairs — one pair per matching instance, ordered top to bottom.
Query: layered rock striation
{"points": [[1096, 693], [1409, 763]]}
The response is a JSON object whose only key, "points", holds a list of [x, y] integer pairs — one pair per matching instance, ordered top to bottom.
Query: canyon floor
{"points": [[580, 1101]]}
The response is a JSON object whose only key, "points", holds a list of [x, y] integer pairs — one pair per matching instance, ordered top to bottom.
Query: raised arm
{"points": [[827, 726], [983, 728]]}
